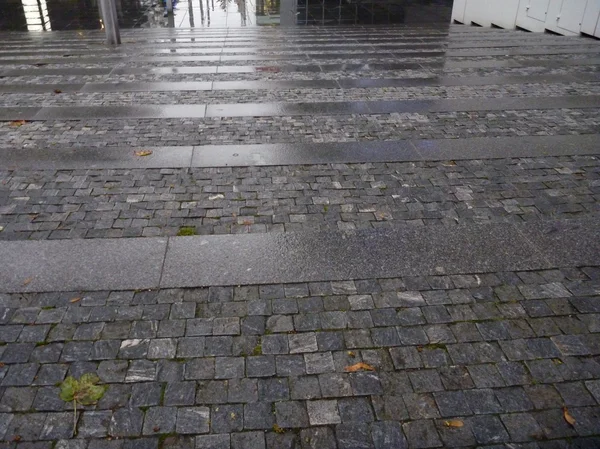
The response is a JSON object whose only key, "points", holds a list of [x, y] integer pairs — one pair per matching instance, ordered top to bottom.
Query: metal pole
{"points": [[170, 6], [108, 11]]}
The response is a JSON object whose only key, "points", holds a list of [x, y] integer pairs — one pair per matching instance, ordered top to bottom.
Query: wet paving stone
{"points": [[475, 359], [240, 398]]}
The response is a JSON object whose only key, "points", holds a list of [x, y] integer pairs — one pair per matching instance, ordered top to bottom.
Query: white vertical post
{"points": [[170, 6], [108, 12]]}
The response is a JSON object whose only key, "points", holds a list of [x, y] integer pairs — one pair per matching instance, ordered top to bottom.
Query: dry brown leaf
{"points": [[57, 91], [17, 123], [143, 153], [449, 164], [27, 281], [75, 300], [359, 367], [568, 418], [454, 423], [156, 428]]}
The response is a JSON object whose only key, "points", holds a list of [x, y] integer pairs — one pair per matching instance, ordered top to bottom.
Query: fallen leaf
{"points": [[57, 91], [17, 123], [143, 153], [449, 164], [27, 281], [75, 300], [420, 348], [351, 354], [1, 364], [358, 367], [568, 418], [454, 423], [156, 428], [277, 429], [17, 438]]}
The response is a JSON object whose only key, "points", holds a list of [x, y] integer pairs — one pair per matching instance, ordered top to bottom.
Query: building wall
{"points": [[567, 17]]}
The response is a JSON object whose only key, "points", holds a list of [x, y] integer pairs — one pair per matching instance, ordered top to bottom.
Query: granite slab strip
{"points": [[517, 42], [520, 51], [221, 58], [299, 68], [46, 71], [297, 84], [146, 87], [38, 88], [387, 107], [285, 109], [87, 112], [18, 113], [506, 147], [477, 148], [395, 151], [62, 158], [567, 243], [320, 256], [116, 264], [81, 265]]}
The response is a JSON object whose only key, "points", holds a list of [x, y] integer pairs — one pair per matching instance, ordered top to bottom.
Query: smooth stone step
{"points": [[137, 263]]}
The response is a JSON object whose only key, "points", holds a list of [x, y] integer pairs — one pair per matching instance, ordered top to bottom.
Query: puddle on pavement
{"points": [[41, 15]]}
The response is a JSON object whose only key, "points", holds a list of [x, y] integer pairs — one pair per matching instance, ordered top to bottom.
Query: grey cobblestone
{"points": [[415, 193], [266, 366]]}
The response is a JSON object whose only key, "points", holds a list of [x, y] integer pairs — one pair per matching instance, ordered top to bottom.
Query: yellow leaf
{"points": [[17, 123], [143, 153], [27, 281], [75, 300], [351, 354], [359, 367], [568, 418], [454, 423], [277, 429]]}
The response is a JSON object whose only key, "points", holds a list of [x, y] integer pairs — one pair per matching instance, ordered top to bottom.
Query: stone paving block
{"points": [[305, 342], [319, 363], [305, 387], [274, 389], [355, 410], [323, 412], [291, 414], [258, 416], [192, 420], [126, 423], [94, 424], [521, 427], [421, 434], [354, 435], [318, 438], [218, 441]]}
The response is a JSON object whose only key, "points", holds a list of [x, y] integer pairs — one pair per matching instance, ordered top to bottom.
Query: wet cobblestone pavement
{"points": [[224, 224]]}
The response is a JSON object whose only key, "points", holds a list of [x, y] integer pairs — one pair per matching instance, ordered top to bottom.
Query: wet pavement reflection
{"points": [[46, 15]]}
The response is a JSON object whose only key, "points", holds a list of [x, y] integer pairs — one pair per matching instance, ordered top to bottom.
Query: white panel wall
{"points": [[458, 11], [478, 12], [486, 12], [504, 13], [532, 14], [567, 17], [591, 19]]}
